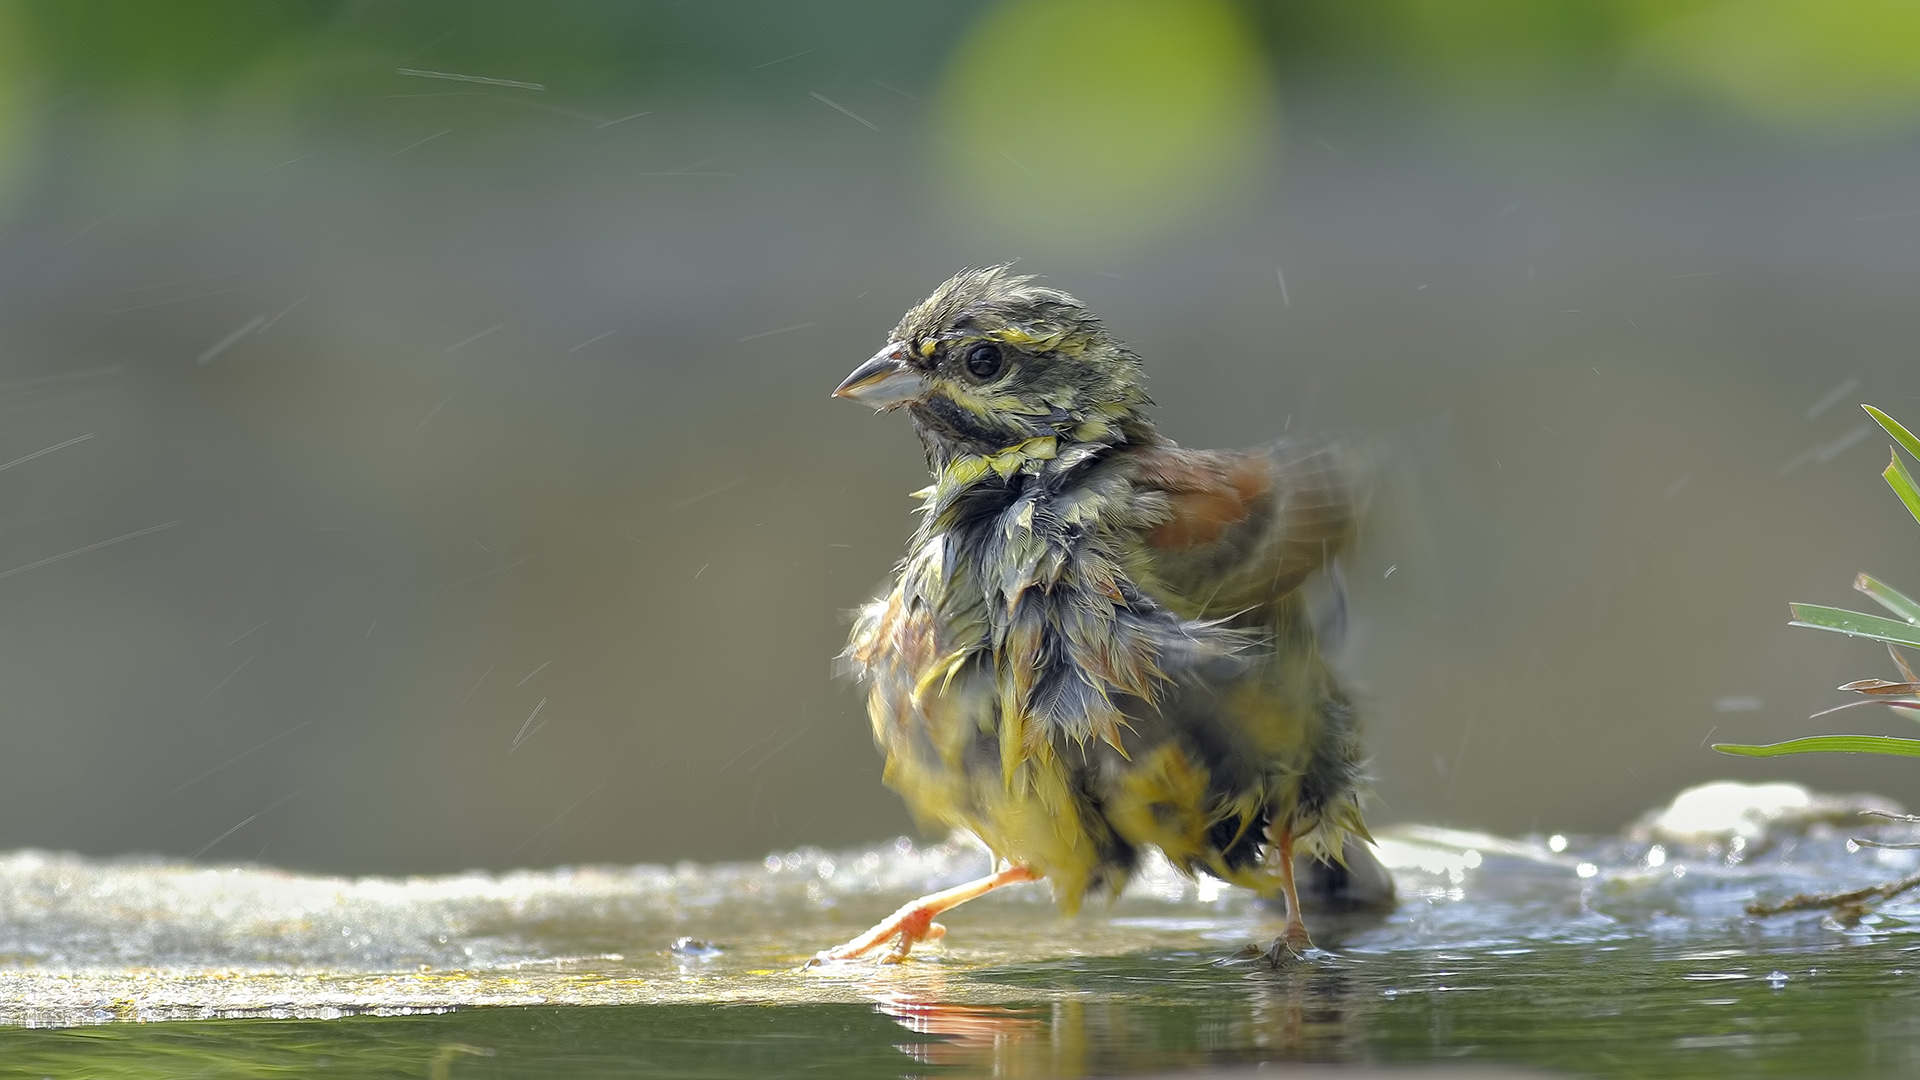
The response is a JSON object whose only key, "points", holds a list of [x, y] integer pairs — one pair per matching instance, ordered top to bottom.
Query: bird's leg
{"points": [[914, 923], [1294, 938]]}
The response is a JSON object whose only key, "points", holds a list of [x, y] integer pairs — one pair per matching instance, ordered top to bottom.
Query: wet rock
{"points": [[1752, 817], [1362, 885]]}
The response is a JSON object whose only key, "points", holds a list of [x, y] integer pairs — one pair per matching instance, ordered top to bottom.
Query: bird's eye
{"points": [[983, 361]]}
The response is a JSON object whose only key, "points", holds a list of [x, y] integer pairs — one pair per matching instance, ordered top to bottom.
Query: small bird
{"points": [[1098, 640]]}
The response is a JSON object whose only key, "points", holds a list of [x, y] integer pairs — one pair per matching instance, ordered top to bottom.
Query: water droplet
{"points": [[694, 948]]}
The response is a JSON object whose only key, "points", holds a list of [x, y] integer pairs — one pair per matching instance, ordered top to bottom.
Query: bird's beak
{"points": [[884, 382]]}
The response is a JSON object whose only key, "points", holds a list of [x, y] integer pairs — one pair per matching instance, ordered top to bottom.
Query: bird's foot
{"points": [[914, 923], [900, 932], [1294, 937], [903, 943], [1291, 948], [1284, 952], [1245, 954], [1277, 956]]}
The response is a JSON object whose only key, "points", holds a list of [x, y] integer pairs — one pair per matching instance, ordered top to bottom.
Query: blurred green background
{"points": [[468, 363]]}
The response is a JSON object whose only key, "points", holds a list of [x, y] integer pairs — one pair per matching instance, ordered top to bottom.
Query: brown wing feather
{"points": [[1243, 528]]}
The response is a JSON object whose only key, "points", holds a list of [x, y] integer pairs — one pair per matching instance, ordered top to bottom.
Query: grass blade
{"points": [[1901, 435], [1901, 481], [1889, 597], [1855, 624], [1881, 688], [1896, 703], [1827, 744]]}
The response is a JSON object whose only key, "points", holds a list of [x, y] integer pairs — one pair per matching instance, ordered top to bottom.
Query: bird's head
{"points": [[991, 360]]}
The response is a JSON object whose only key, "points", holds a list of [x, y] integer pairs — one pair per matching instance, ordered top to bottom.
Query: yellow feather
{"points": [[942, 671], [1012, 740]]}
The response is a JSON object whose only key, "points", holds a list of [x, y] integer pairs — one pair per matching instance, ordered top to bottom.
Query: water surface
{"points": [[1622, 956]]}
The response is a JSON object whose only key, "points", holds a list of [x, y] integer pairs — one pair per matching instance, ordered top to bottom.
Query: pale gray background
{"points": [[1580, 314]]}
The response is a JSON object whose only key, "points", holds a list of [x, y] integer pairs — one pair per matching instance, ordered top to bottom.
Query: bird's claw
{"points": [[1295, 937], [904, 943], [1290, 949], [898, 951], [1283, 954], [1243, 955], [1277, 956]]}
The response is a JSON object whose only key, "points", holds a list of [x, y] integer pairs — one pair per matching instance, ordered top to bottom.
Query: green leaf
{"points": [[1901, 435], [1901, 481], [1888, 597], [1855, 624], [1827, 744]]}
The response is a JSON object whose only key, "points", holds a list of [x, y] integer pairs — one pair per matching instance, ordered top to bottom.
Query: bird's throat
{"points": [[948, 431]]}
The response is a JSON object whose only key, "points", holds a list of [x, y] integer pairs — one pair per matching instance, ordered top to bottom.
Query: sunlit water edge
{"points": [[88, 941]]}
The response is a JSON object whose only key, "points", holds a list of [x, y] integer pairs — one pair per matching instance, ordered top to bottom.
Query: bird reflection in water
{"points": [[1299, 1015], [1013, 1041]]}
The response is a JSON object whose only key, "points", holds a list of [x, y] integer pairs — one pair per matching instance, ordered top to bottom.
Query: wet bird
{"points": [[1098, 641]]}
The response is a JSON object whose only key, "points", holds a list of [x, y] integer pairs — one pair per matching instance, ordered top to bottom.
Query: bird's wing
{"points": [[1242, 528]]}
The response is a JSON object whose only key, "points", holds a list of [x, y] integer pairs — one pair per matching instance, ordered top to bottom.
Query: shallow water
{"points": [[1606, 957]]}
